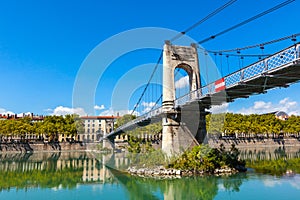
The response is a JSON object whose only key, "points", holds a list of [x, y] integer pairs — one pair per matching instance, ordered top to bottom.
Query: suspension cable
{"points": [[203, 20], [247, 21], [257, 45], [144, 91]]}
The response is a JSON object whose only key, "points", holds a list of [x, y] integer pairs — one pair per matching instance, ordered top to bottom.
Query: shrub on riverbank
{"points": [[202, 158]]}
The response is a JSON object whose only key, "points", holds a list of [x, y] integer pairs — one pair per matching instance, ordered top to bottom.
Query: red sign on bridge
{"points": [[220, 85]]}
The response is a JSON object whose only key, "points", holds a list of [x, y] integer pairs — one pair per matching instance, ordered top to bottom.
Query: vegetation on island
{"points": [[49, 129], [203, 158], [199, 159]]}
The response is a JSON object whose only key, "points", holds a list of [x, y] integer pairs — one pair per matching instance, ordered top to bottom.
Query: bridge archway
{"points": [[183, 80]]}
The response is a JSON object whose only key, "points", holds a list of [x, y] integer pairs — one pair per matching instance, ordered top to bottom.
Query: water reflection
{"points": [[269, 153], [275, 161], [49, 170], [67, 170], [70, 171], [183, 188]]}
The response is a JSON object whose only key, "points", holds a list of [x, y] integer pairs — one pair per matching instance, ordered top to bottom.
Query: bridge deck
{"points": [[279, 70], [282, 77]]}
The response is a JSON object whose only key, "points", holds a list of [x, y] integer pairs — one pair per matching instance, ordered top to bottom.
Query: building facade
{"points": [[281, 115], [96, 126]]}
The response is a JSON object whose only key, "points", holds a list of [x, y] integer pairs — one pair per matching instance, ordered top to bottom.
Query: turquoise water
{"points": [[64, 176]]}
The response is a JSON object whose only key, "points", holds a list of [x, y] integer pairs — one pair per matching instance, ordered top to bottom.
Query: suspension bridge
{"points": [[278, 70], [183, 118]]}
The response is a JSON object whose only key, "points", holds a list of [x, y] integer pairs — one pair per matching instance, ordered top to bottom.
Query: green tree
{"points": [[124, 119]]}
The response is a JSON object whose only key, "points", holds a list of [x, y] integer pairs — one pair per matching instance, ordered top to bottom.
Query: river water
{"points": [[81, 175]]}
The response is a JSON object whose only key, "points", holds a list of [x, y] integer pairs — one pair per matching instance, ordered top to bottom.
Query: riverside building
{"points": [[96, 126]]}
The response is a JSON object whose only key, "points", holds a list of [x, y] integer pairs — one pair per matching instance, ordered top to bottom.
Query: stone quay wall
{"points": [[254, 142], [41, 147]]}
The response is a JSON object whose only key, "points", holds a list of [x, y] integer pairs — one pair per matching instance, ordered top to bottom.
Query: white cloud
{"points": [[182, 82], [283, 101], [150, 104], [147, 106], [101, 107], [261, 107], [219, 109], [61, 110], [111, 111], [5, 112], [293, 181], [271, 182]]}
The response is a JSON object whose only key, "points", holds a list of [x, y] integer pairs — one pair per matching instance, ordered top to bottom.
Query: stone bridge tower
{"points": [[182, 127]]}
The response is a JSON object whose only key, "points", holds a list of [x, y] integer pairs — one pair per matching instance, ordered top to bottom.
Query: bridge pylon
{"points": [[185, 126]]}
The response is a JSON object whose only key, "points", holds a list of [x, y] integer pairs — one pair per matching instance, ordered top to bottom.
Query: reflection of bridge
{"points": [[183, 119]]}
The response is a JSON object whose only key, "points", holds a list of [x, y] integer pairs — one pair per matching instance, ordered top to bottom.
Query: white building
{"points": [[281, 115], [96, 126]]}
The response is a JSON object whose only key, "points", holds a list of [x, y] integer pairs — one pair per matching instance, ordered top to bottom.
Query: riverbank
{"points": [[212, 142], [254, 142], [41, 147], [162, 172]]}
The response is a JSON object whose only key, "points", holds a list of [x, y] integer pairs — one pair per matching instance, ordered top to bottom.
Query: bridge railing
{"points": [[279, 59], [195, 95], [146, 116]]}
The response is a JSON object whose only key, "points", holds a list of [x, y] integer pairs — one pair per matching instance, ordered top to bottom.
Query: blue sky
{"points": [[44, 44]]}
